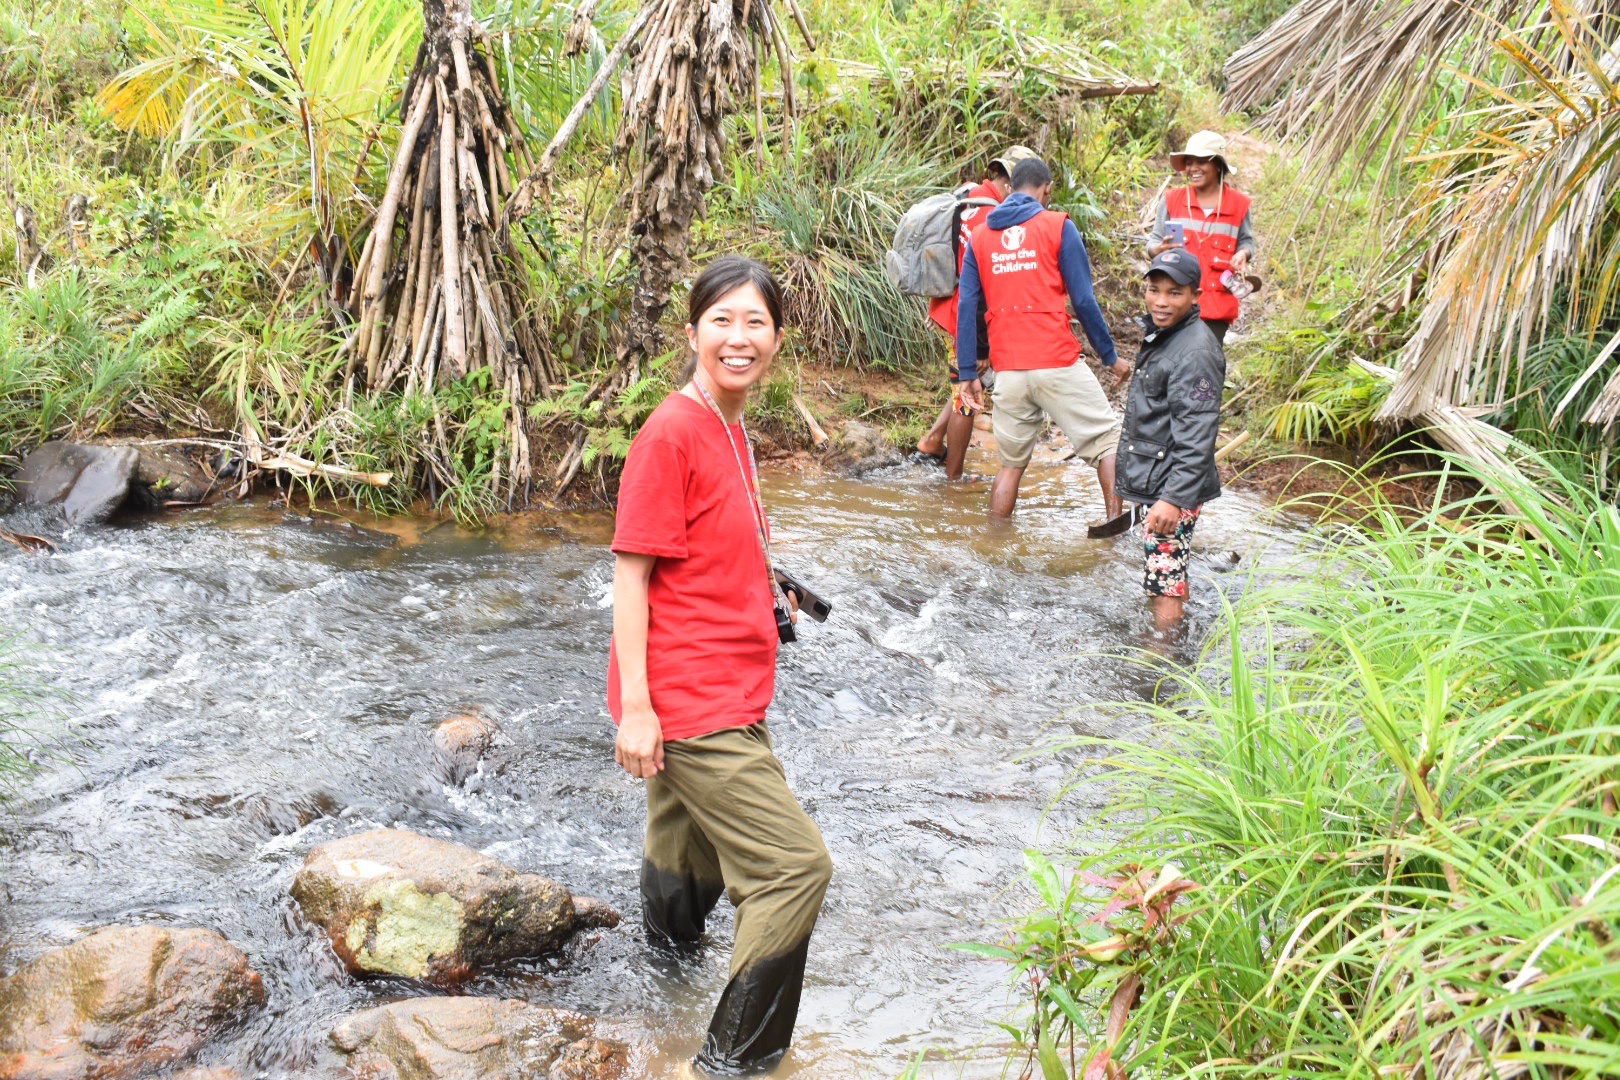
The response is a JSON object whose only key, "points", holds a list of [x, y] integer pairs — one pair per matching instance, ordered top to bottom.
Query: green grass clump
{"points": [[29, 712], [1399, 800]]}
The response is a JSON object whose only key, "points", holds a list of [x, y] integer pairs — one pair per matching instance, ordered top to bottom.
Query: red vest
{"points": [[1212, 239], [1026, 302], [943, 309]]}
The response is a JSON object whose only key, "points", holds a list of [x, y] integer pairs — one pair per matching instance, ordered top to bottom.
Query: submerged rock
{"points": [[859, 447], [89, 483], [460, 743], [395, 903], [121, 1002], [460, 1038]]}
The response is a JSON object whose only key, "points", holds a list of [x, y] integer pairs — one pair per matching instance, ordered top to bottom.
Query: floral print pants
{"points": [[1165, 571]]}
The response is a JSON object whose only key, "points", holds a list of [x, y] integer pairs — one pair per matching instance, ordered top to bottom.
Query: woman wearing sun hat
{"points": [[1213, 217]]}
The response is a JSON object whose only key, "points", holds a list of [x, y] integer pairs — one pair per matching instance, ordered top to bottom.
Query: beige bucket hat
{"points": [[1204, 144], [1013, 155]]}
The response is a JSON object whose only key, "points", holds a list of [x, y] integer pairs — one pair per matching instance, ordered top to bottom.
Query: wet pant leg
{"points": [[775, 868], [680, 871]]}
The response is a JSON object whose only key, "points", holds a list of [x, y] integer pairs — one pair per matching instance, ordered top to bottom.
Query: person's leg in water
{"points": [[1075, 401], [1017, 423], [951, 434], [958, 434], [933, 441], [1004, 492], [1113, 505], [1164, 572], [680, 871], [776, 871]]}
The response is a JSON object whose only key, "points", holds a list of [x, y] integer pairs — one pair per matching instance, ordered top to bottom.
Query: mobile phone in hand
{"points": [[1175, 233]]}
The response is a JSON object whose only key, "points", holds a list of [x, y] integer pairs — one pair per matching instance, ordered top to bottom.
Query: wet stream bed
{"points": [[250, 682]]}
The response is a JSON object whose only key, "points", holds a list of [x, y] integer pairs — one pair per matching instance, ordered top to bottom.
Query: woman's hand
{"points": [[1240, 261], [1163, 517], [640, 746]]}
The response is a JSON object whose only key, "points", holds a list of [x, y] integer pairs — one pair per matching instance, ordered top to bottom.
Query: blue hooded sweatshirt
{"points": [[1018, 208]]}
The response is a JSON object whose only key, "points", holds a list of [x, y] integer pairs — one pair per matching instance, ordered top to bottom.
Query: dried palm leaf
{"points": [[1515, 214]]}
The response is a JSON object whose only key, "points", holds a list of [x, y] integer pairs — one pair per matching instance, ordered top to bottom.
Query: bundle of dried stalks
{"points": [[696, 59], [441, 290]]}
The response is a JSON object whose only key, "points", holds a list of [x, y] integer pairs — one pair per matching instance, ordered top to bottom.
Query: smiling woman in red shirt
{"points": [[692, 669]]}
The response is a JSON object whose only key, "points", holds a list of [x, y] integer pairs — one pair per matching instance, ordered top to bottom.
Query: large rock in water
{"points": [[859, 447], [89, 483], [460, 743], [396, 903], [121, 1002], [462, 1038]]}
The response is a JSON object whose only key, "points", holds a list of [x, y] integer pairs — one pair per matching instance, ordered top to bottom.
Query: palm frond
{"points": [[1362, 77], [1518, 214]]}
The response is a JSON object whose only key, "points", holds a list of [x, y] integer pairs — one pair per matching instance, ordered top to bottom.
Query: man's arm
{"points": [[1161, 228], [1245, 236], [1245, 246], [1076, 268], [968, 299], [1194, 394]]}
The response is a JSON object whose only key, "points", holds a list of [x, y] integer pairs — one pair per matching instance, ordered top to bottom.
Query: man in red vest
{"points": [[1029, 264], [951, 433]]}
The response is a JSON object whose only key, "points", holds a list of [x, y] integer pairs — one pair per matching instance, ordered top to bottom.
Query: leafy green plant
{"points": [[300, 84], [1397, 791]]}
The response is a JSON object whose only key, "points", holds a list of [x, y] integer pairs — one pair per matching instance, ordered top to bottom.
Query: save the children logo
{"points": [[1012, 238]]}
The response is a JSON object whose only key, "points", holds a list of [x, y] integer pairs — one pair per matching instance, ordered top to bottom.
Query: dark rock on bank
{"points": [[859, 447], [166, 476], [91, 483], [395, 903], [121, 1002], [459, 1038]]}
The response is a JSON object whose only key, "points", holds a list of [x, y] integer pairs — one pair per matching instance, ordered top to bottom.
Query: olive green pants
{"points": [[720, 818]]}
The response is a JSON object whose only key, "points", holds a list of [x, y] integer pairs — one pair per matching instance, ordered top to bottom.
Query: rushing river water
{"points": [[252, 682]]}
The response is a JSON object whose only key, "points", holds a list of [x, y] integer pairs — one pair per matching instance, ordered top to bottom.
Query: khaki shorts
{"points": [[1070, 396]]}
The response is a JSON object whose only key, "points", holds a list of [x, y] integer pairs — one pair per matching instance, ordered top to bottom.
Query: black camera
{"points": [[809, 603]]}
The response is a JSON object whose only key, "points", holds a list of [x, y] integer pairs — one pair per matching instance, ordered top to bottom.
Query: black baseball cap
{"points": [[1181, 266]]}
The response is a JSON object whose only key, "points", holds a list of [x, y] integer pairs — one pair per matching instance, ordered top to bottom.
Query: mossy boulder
{"points": [[393, 902], [121, 1002], [462, 1038]]}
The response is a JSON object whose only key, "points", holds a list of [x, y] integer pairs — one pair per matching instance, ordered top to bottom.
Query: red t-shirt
{"points": [[711, 626]]}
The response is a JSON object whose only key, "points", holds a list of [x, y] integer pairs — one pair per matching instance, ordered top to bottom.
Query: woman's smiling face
{"points": [[1202, 172], [735, 340]]}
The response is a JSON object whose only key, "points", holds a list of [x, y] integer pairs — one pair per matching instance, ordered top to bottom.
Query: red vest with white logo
{"points": [[1212, 239], [1026, 302], [943, 309]]}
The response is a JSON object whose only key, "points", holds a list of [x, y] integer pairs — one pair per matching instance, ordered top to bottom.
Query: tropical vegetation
{"points": [[1387, 802]]}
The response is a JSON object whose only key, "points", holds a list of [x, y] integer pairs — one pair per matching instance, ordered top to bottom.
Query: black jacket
{"points": [[1167, 450]]}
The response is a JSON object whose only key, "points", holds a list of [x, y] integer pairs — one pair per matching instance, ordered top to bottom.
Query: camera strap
{"points": [[750, 478]]}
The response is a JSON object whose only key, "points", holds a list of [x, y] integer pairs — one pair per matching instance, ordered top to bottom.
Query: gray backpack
{"points": [[922, 261]]}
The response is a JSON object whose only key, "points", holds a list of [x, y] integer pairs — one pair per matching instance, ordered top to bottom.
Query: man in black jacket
{"points": [[1173, 413]]}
